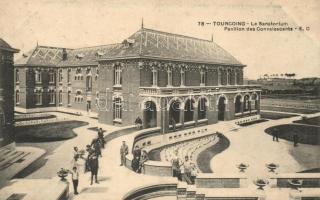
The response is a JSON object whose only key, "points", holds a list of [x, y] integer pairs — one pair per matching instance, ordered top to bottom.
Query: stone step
{"points": [[4, 151], [7, 155], [12, 159]]}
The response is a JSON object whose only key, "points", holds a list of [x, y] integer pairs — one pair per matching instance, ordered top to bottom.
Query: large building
{"points": [[162, 77], [6, 93]]}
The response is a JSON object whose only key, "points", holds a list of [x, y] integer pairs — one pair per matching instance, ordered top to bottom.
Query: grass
{"points": [[272, 115], [17, 119], [309, 121], [47, 132], [306, 134], [205, 156]]}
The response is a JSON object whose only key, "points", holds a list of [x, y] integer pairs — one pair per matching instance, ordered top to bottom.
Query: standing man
{"points": [[101, 137], [123, 152], [94, 166], [176, 166], [75, 179]]}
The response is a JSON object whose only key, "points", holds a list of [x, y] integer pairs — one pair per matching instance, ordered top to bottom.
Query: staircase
{"points": [[9, 157]]}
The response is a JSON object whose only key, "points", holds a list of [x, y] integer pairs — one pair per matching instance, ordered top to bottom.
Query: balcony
{"points": [[187, 90]]}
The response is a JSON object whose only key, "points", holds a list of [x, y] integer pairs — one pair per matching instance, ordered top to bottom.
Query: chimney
{"points": [[64, 54]]}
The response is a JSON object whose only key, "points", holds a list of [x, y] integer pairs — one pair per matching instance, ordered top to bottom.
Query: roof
{"points": [[147, 43], [5, 46], [41, 56], [86, 56]]}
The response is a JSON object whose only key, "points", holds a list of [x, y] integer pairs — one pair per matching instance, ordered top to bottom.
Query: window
{"points": [[17, 75], [69, 75], [79, 75], [97, 75], [117, 75], [60, 76], [169, 76], [51, 77], [182, 77], [202, 77], [219, 77], [228, 77], [235, 77], [38, 78], [89, 81], [17, 97], [38, 97], [52, 97], [60, 97], [69, 98], [78, 98], [117, 109]]}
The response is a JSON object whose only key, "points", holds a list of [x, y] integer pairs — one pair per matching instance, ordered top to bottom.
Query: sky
{"points": [[81, 23]]}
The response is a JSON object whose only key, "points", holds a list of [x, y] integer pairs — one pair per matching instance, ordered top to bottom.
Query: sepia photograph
{"points": [[160, 100]]}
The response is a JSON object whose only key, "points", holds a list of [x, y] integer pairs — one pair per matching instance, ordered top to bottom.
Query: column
{"points": [[169, 73], [154, 77], [182, 77], [219, 77], [182, 114], [195, 114], [164, 116]]}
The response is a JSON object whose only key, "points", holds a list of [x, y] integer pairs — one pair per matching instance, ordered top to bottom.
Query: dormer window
{"points": [[128, 42], [99, 54], [80, 55]]}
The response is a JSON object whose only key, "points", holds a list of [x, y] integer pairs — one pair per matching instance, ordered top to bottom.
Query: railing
{"points": [[195, 89]]}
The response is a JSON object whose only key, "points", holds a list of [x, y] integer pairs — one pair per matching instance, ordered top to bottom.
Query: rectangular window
{"points": [[68, 75], [17, 76], [60, 76], [117, 76], [38, 77], [51, 77], [17, 97], [52, 97], [60, 97], [38, 98], [69, 98], [117, 109]]}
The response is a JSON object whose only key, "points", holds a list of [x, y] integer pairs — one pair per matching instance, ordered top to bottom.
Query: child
{"points": [[75, 179]]}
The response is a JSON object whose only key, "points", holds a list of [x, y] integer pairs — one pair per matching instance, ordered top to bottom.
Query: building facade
{"points": [[161, 77], [6, 93]]}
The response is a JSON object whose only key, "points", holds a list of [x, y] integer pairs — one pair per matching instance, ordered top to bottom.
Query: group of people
{"points": [[276, 133], [93, 152], [139, 158], [184, 170]]}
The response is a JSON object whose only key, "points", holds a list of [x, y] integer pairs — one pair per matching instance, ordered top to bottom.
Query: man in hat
{"points": [[123, 152], [94, 166]]}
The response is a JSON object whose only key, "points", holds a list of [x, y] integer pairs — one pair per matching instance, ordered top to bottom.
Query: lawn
{"points": [[273, 115], [309, 121], [47, 132], [307, 134]]}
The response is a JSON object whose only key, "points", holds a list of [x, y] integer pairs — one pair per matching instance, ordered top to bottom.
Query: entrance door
{"points": [[221, 108]]}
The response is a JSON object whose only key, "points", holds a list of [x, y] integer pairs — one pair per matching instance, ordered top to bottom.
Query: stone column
{"points": [[195, 114], [182, 115], [164, 116]]}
